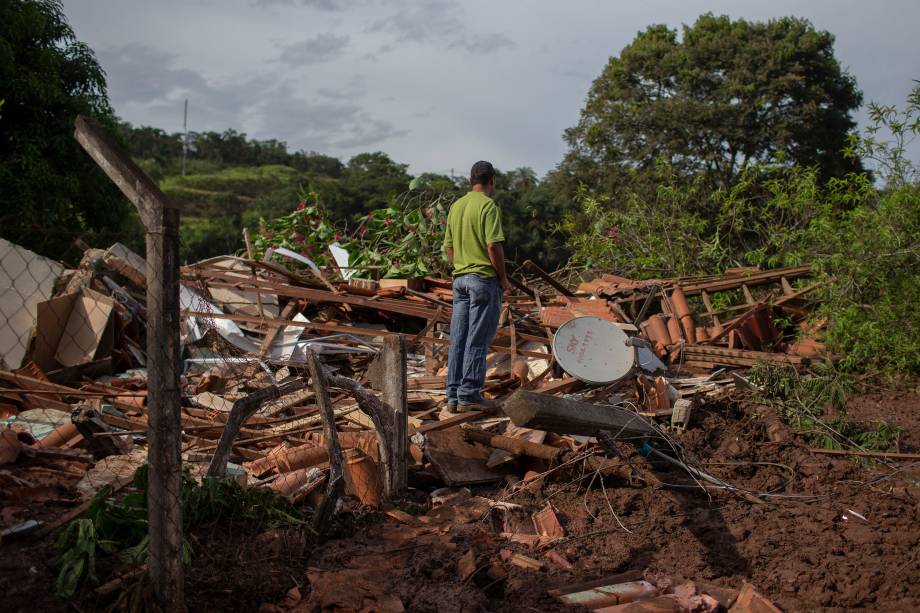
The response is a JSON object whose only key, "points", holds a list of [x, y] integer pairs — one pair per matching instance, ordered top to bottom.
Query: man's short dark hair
{"points": [[481, 173]]}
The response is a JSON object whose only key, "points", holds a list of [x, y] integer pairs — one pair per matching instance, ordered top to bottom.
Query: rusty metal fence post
{"points": [[160, 218]]}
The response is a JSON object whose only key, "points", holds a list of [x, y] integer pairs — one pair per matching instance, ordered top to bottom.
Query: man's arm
{"points": [[450, 255], [497, 257]]}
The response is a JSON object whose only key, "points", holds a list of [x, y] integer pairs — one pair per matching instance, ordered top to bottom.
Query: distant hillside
{"points": [[231, 182]]}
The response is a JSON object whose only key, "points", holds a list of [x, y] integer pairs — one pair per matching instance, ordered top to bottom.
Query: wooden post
{"points": [[161, 221], [249, 254], [395, 395], [336, 484]]}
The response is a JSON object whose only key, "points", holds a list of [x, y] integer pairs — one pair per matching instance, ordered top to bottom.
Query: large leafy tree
{"points": [[724, 95], [370, 180], [52, 192], [530, 209]]}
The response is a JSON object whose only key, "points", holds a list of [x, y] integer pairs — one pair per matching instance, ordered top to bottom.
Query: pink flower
{"points": [[301, 205], [427, 212], [370, 216], [388, 221], [443, 221], [362, 230], [298, 237], [337, 237]]}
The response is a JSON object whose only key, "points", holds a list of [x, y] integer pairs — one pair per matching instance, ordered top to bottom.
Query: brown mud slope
{"points": [[896, 408], [810, 549]]}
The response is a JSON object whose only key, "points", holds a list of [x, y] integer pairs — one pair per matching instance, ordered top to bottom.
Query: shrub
{"points": [[863, 240]]}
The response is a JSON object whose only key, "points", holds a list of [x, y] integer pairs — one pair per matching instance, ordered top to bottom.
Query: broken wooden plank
{"points": [[272, 333], [395, 395], [241, 411], [450, 422], [513, 445], [888, 455], [458, 462], [335, 486]]}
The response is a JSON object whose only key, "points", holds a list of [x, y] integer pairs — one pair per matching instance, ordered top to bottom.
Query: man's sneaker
{"points": [[486, 406], [452, 407]]}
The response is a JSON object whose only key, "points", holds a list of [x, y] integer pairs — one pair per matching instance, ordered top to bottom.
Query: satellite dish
{"points": [[593, 350]]}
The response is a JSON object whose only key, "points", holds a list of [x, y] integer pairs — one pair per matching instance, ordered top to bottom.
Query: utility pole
{"points": [[184, 137]]}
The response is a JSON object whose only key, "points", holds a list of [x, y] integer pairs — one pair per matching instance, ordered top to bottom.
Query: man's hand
{"points": [[497, 257]]}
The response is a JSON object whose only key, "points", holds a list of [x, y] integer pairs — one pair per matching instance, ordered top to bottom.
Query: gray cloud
{"points": [[323, 5], [421, 21], [437, 21], [483, 43], [320, 48], [410, 53], [142, 73], [354, 89], [264, 106], [322, 125]]}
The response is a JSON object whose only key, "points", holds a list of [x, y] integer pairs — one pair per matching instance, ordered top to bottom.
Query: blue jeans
{"points": [[474, 320]]}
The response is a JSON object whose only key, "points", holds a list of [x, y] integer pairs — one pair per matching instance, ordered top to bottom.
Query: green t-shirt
{"points": [[473, 223]]}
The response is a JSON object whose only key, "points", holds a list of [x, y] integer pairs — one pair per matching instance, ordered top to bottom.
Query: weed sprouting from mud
{"points": [[814, 404], [121, 528]]}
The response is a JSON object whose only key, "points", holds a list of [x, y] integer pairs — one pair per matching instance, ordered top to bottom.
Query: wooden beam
{"points": [[160, 217], [249, 254], [559, 287], [403, 307], [272, 333], [395, 394], [563, 416], [514, 445], [888, 455], [335, 486]]}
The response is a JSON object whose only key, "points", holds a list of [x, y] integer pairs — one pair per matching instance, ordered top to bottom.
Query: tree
{"points": [[724, 96], [369, 180], [52, 192], [530, 209]]}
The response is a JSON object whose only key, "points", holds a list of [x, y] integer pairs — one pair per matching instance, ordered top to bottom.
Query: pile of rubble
{"points": [[73, 390]]}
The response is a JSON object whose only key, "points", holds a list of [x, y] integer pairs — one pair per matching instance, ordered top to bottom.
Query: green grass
{"points": [[248, 181]]}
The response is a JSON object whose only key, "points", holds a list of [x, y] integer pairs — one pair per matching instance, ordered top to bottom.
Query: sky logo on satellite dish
{"points": [[574, 344]]}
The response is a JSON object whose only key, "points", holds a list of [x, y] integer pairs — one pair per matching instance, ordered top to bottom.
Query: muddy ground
{"points": [[837, 535]]}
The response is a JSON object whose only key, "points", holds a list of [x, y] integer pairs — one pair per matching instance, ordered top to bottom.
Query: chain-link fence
{"points": [[125, 380], [90, 390]]}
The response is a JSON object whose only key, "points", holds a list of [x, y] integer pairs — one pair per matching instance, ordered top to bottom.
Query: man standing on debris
{"points": [[473, 243]]}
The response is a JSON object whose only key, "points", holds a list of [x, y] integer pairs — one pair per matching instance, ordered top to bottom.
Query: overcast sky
{"points": [[436, 84]]}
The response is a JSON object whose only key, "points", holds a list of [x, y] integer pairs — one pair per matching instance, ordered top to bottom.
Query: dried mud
{"points": [[837, 535]]}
